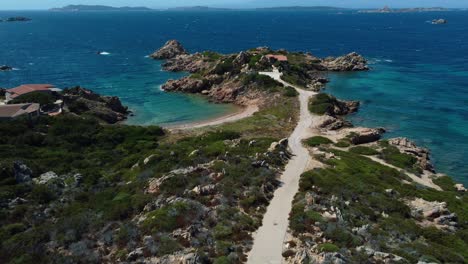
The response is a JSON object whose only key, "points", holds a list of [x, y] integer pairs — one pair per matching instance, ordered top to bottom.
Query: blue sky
{"points": [[44, 4]]}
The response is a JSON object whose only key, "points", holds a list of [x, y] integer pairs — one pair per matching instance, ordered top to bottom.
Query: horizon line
{"points": [[233, 8]]}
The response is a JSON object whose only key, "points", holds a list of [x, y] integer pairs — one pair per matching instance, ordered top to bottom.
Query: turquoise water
{"points": [[418, 86]]}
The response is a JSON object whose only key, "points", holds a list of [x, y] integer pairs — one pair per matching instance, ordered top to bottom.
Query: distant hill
{"points": [[77, 8], [197, 8], [303, 8]]}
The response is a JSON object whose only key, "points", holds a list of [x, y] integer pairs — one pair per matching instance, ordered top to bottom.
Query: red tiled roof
{"points": [[277, 57], [28, 88]]}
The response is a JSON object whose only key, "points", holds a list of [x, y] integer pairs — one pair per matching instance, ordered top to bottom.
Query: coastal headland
{"points": [[286, 180]]}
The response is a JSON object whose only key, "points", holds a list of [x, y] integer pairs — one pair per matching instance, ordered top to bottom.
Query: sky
{"points": [[45, 4]]}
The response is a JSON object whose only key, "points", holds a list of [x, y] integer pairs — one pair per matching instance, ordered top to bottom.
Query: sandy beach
{"points": [[241, 113]]}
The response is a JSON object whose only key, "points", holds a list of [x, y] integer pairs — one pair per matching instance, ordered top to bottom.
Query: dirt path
{"points": [[268, 240]]}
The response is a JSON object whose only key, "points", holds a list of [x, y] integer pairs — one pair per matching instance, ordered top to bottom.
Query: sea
{"points": [[417, 87]]}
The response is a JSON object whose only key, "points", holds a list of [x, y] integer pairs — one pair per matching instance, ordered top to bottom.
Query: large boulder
{"points": [[170, 50], [349, 62], [327, 122], [366, 135]]}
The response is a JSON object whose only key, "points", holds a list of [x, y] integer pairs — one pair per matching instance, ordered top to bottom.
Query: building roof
{"points": [[277, 57], [28, 88], [15, 110]]}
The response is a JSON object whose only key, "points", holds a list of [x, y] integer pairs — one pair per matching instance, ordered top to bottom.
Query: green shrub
{"points": [[212, 56], [224, 66], [261, 81], [290, 92], [42, 98], [321, 104], [317, 141], [343, 144], [361, 150], [393, 156], [168, 218], [328, 247]]}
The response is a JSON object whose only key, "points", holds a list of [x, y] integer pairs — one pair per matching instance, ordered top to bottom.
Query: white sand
{"points": [[243, 113]]}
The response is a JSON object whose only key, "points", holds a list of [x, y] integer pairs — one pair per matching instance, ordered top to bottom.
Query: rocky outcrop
{"points": [[16, 19], [439, 21], [170, 50], [349, 62], [190, 63], [5, 68], [186, 84], [83, 101], [341, 108], [333, 123], [366, 135], [409, 147], [433, 214]]}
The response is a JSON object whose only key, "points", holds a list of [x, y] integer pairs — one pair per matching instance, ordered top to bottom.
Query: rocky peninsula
{"points": [[234, 78]]}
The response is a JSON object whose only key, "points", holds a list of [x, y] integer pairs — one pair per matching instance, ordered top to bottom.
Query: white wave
{"points": [[104, 53], [389, 60], [16, 69]]}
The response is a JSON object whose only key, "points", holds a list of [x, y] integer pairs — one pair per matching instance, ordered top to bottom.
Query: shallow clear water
{"points": [[418, 86]]}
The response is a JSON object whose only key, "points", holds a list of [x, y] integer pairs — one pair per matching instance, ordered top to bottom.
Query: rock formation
{"points": [[439, 21], [170, 50], [350, 62], [5, 68], [83, 101], [366, 135], [409, 147]]}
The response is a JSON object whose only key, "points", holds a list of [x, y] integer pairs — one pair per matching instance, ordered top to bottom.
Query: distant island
{"points": [[87, 8], [302, 8], [387, 9]]}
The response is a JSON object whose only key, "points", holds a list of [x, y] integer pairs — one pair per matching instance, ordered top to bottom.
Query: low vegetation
{"points": [[321, 104], [317, 141], [362, 150], [103, 174], [371, 197]]}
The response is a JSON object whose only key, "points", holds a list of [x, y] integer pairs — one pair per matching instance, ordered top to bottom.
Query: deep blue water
{"points": [[418, 86]]}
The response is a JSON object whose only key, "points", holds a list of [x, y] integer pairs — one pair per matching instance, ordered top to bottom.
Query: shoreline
{"points": [[240, 113]]}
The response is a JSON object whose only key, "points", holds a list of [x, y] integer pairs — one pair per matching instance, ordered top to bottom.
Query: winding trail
{"points": [[268, 240]]}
